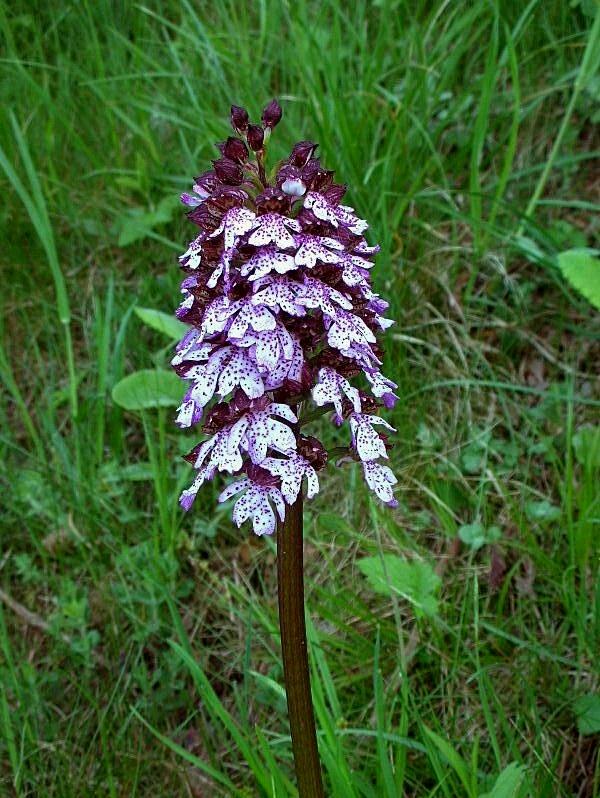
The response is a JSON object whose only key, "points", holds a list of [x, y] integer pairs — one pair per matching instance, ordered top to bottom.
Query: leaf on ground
{"points": [[139, 223], [581, 269], [163, 322], [147, 389], [542, 511], [331, 522], [476, 535], [415, 581], [587, 712], [509, 782]]}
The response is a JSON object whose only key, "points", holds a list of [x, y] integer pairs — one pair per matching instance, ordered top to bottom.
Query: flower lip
{"points": [[293, 187]]}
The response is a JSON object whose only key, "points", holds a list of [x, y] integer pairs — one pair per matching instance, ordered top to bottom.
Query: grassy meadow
{"points": [[139, 650]]}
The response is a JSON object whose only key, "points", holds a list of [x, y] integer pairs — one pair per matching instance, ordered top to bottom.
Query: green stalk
{"points": [[36, 207], [292, 623]]}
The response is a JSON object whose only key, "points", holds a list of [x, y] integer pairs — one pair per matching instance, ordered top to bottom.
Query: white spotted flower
{"points": [[281, 311]]}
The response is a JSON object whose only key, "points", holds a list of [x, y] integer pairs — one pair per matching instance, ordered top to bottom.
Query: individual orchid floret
{"points": [[272, 114], [239, 119], [256, 137], [235, 223], [273, 227], [311, 249], [267, 260], [277, 293], [381, 387], [331, 388], [260, 431], [367, 443], [292, 471], [380, 479], [256, 503]]}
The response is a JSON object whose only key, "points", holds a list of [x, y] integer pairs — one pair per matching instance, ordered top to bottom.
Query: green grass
{"points": [[148, 664]]}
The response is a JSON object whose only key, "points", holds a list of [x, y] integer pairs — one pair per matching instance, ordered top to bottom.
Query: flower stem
{"points": [[290, 574]]}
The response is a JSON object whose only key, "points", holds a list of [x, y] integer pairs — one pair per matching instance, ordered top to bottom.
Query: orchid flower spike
{"points": [[278, 297]]}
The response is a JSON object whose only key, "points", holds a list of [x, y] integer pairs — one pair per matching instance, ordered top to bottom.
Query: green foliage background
{"points": [[454, 641]]}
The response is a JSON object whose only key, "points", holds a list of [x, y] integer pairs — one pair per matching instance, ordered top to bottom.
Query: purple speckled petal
{"points": [[320, 207], [236, 223], [272, 227], [313, 248], [364, 249], [192, 257], [267, 260], [222, 268], [279, 294], [315, 294], [256, 317], [347, 329], [241, 372], [381, 387], [331, 388], [188, 414], [368, 444], [291, 471], [380, 479], [232, 489], [189, 494], [255, 505]]}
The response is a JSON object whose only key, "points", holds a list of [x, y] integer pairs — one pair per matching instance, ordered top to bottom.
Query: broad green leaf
{"points": [[139, 223], [582, 269], [163, 322], [147, 389], [586, 443], [542, 511], [331, 522], [476, 535], [415, 581], [587, 711], [509, 782]]}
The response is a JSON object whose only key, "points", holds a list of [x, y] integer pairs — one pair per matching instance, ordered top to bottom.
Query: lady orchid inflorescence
{"points": [[278, 298]]}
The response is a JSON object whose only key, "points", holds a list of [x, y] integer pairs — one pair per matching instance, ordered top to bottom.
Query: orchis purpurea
{"points": [[279, 301]]}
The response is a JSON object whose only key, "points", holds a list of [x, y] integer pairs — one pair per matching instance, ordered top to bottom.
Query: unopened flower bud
{"points": [[272, 114], [239, 119], [255, 137], [235, 149], [302, 153], [229, 171], [335, 193]]}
